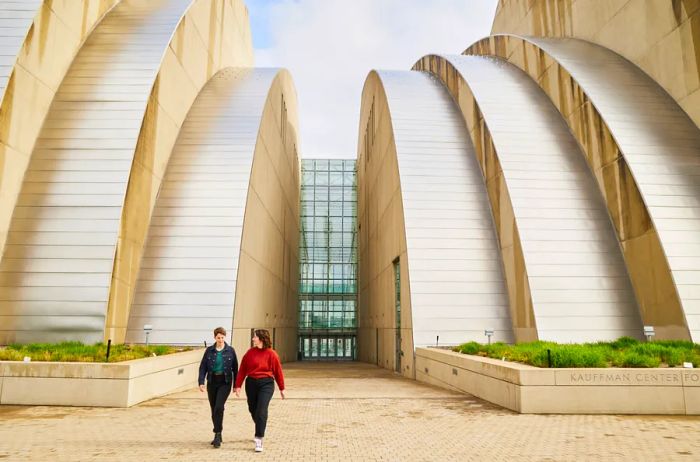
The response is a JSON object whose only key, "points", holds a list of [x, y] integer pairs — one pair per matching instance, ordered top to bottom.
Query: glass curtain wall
{"points": [[328, 258]]}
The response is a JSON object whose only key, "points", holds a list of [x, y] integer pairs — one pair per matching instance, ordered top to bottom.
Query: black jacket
{"points": [[206, 367]]}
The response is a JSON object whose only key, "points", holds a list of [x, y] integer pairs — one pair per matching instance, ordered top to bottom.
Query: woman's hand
{"points": [[201, 388], [238, 392], [282, 394]]}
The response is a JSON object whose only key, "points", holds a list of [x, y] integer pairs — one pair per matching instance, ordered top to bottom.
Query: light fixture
{"points": [[147, 328], [649, 332], [488, 333]]}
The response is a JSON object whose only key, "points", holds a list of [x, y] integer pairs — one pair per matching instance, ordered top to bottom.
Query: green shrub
{"points": [[621, 343], [470, 348], [79, 352], [623, 352], [577, 356], [674, 357], [634, 359]]}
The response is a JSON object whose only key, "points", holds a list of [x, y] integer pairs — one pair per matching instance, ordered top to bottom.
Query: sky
{"points": [[330, 46]]}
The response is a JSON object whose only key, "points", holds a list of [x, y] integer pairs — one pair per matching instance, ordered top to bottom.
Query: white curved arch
{"points": [[645, 152], [422, 199], [572, 262], [55, 274], [187, 281]]}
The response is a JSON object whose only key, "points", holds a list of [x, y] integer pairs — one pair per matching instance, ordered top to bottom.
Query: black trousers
{"points": [[218, 391], [259, 393]]}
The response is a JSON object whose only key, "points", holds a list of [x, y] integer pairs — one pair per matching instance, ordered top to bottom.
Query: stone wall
{"points": [[532, 390]]}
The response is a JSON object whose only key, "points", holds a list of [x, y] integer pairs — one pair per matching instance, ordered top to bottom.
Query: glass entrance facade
{"points": [[328, 259]]}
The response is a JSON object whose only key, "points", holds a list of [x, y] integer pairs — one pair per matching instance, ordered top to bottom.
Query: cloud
{"points": [[330, 46]]}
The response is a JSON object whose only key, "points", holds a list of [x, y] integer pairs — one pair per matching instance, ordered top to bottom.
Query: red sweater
{"points": [[258, 363]]}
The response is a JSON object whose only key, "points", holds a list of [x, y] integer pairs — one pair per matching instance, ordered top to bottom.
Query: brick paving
{"points": [[342, 411]]}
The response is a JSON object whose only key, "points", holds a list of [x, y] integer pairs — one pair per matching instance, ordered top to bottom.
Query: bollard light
{"points": [[147, 328], [649, 332], [488, 333]]}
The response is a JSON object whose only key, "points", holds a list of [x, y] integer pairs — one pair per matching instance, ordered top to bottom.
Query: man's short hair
{"points": [[219, 330]]}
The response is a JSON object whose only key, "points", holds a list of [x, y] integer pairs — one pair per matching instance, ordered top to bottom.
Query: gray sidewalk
{"points": [[341, 411]]}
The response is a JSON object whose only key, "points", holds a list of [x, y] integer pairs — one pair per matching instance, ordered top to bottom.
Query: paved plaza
{"points": [[341, 411]]}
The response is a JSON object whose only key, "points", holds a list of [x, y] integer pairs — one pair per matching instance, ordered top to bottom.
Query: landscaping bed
{"points": [[79, 352], [623, 352]]}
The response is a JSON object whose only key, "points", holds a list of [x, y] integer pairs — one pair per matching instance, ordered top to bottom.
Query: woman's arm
{"points": [[234, 366], [202, 370], [242, 372], [277, 372]]}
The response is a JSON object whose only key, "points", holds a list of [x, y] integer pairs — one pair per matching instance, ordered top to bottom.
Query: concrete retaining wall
{"points": [[97, 384], [531, 390]]}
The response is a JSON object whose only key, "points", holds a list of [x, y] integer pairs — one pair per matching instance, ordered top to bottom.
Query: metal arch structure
{"points": [[662, 38], [39, 39], [186, 65], [645, 153], [544, 198], [422, 199], [268, 265], [55, 275], [188, 275]]}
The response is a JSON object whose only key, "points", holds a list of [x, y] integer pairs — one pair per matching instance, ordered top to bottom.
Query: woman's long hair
{"points": [[264, 336]]}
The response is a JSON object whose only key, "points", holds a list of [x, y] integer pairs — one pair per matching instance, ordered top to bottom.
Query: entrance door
{"points": [[328, 347]]}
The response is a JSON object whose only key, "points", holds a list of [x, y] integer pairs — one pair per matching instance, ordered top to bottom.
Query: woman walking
{"points": [[219, 365], [262, 367]]}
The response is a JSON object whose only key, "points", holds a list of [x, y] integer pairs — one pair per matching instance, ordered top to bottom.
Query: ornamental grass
{"points": [[79, 352], [623, 352]]}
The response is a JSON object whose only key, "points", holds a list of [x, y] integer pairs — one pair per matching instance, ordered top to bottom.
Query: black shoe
{"points": [[217, 440], [221, 440]]}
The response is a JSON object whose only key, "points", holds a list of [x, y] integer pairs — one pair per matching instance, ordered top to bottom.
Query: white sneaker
{"points": [[258, 445]]}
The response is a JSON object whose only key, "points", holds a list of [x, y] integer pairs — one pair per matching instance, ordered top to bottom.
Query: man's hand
{"points": [[201, 388], [238, 392], [282, 394]]}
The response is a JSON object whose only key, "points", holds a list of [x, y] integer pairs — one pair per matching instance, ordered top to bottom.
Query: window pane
{"points": [[321, 178], [336, 178], [320, 193], [335, 194], [349, 194], [307, 208], [321, 209], [335, 209], [319, 225], [314, 347]]}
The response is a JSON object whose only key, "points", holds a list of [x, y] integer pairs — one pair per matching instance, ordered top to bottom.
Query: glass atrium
{"points": [[328, 259]]}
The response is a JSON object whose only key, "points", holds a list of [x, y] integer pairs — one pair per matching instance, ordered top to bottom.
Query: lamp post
{"points": [[147, 328], [488, 333]]}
